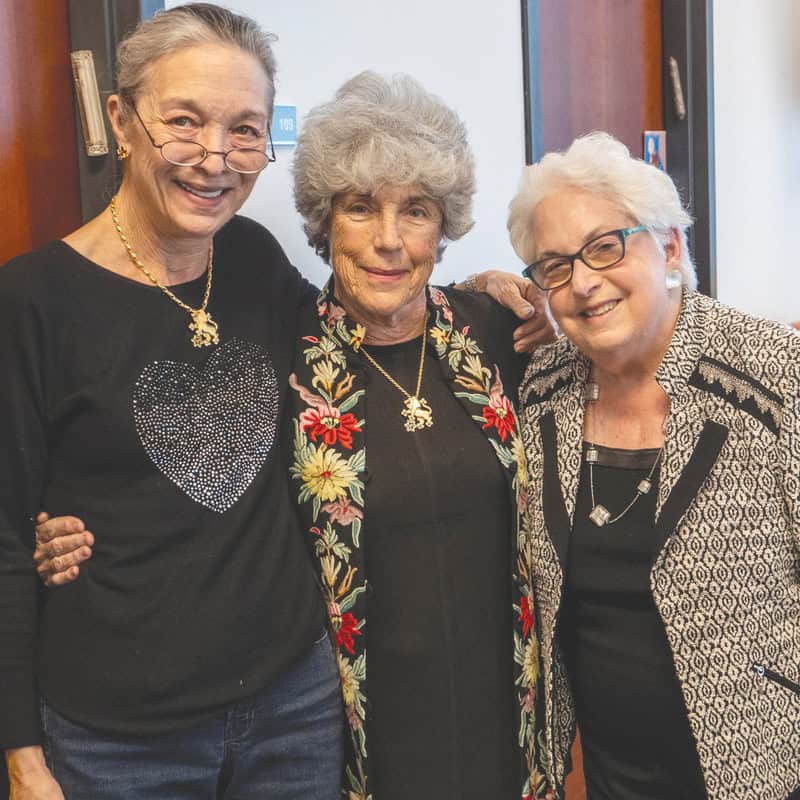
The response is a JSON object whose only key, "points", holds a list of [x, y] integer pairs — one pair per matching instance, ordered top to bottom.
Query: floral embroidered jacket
{"points": [[329, 469], [726, 577]]}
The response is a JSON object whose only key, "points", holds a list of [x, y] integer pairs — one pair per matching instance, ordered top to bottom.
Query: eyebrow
{"points": [[191, 105]]}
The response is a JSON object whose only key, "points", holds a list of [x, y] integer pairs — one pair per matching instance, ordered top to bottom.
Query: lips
{"points": [[205, 192], [599, 310]]}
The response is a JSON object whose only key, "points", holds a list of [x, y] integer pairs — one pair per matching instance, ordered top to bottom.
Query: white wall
{"points": [[467, 51], [757, 119]]}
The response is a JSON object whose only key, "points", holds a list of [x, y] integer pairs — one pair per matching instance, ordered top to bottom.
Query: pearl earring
{"points": [[673, 279]]}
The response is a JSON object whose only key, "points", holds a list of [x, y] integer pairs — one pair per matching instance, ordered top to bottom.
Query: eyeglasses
{"points": [[186, 153], [602, 252]]}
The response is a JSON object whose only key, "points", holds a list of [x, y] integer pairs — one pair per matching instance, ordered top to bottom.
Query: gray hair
{"points": [[186, 26], [378, 132], [599, 163]]}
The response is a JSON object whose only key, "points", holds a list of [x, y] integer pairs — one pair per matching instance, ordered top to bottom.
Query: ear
{"points": [[116, 116], [673, 250]]}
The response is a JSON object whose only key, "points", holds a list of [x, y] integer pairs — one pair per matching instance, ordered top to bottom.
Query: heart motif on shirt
{"points": [[209, 428]]}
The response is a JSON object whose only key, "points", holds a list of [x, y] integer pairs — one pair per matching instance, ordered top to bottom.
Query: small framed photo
{"points": [[654, 149]]}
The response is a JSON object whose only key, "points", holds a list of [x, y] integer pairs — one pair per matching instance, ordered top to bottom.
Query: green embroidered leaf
{"points": [[478, 399], [351, 401], [503, 453], [355, 492], [315, 507], [356, 531], [347, 602]]}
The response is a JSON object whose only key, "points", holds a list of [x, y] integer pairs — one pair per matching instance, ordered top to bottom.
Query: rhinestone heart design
{"points": [[209, 428]]}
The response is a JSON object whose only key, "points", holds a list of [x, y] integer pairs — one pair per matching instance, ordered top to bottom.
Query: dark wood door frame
{"points": [[686, 37]]}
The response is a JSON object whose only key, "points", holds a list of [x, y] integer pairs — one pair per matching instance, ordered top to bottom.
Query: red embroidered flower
{"points": [[500, 415], [327, 422], [525, 615], [347, 630]]}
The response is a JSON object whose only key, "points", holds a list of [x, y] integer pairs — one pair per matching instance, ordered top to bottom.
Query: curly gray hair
{"points": [[187, 26], [378, 132], [600, 163]]}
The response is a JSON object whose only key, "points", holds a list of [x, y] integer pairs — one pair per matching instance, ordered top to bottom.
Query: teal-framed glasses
{"points": [[188, 153], [602, 252]]}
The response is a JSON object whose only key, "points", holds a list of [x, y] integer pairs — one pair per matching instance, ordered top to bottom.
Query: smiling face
{"points": [[215, 94], [383, 248], [621, 317]]}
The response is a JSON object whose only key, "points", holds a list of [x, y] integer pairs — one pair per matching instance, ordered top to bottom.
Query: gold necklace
{"points": [[206, 330], [416, 409]]}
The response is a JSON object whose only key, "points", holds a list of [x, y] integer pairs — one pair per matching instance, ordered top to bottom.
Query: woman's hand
{"points": [[521, 296], [61, 544], [28, 776]]}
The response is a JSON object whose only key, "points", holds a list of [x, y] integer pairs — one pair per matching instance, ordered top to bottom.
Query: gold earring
{"points": [[122, 152]]}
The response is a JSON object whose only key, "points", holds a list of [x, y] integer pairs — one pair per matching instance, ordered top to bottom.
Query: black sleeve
{"points": [[23, 458]]}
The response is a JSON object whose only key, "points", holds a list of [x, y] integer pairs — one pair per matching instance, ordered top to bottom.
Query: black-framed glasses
{"points": [[187, 153], [602, 252]]}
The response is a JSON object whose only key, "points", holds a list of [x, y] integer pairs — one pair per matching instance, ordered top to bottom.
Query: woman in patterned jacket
{"points": [[663, 442]]}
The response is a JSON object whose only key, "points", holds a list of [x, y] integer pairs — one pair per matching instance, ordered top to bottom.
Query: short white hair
{"points": [[600, 163]]}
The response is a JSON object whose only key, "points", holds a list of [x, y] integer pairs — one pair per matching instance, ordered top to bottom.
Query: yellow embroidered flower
{"points": [[357, 335], [439, 336], [324, 375], [326, 474], [330, 569], [530, 663], [348, 679]]}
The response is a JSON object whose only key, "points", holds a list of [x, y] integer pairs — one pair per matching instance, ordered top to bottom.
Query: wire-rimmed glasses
{"points": [[188, 153], [602, 252]]}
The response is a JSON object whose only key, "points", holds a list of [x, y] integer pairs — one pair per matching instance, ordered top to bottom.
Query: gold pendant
{"points": [[205, 329], [418, 414]]}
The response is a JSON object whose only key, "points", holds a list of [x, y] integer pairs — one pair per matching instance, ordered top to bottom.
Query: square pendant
{"points": [[592, 455], [644, 486], [600, 515]]}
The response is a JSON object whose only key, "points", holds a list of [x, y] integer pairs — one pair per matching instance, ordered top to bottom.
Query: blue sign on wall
{"points": [[284, 125]]}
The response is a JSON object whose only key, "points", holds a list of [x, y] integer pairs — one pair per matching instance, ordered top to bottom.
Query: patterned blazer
{"points": [[330, 467], [726, 574]]}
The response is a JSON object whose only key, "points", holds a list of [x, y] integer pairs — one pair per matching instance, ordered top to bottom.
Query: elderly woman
{"points": [[145, 360], [663, 435], [408, 464], [424, 566]]}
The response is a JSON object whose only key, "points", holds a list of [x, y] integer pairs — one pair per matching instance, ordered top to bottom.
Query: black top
{"points": [[438, 559], [200, 590], [635, 735]]}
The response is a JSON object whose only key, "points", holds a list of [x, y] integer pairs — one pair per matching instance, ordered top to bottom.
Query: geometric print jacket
{"points": [[330, 477], [725, 575]]}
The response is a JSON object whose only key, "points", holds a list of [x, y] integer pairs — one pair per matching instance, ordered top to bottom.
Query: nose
{"points": [[387, 232], [584, 280]]}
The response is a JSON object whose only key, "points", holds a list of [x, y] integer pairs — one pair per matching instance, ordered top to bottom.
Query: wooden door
{"points": [[40, 200]]}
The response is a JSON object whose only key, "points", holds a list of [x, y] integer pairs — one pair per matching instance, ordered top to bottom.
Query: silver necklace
{"points": [[599, 514]]}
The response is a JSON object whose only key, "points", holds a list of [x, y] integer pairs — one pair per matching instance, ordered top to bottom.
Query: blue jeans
{"points": [[284, 743]]}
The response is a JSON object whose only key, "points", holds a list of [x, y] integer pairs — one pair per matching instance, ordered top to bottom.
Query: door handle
{"points": [[677, 88]]}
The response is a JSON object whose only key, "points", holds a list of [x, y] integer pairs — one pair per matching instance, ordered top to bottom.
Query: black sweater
{"points": [[199, 590]]}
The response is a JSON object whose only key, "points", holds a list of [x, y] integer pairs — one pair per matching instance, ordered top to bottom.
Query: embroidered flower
{"points": [[357, 335], [439, 336], [499, 415], [327, 422], [326, 474], [343, 511], [525, 615], [348, 628], [530, 664], [349, 681], [528, 702], [354, 721]]}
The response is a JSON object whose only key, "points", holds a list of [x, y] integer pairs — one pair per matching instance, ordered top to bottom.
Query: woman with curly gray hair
{"points": [[408, 466]]}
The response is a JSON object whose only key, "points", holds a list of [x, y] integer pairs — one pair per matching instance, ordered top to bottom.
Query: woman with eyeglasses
{"points": [[145, 361], [663, 442]]}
